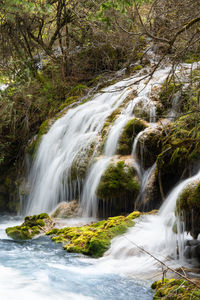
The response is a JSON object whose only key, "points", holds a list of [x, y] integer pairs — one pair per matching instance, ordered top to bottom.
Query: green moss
{"points": [[192, 57], [136, 68], [169, 89], [68, 101], [130, 131], [33, 146], [179, 151], [117, 181], [188, 202], [32, 226], [92, 239], [175, 289]]}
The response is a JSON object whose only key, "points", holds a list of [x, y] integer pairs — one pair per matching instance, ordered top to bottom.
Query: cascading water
{"points": [[78, 132], [68, 137], [154, 234]]}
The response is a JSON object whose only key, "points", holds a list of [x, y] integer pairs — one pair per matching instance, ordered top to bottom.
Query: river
{"points": [[40, 269]]}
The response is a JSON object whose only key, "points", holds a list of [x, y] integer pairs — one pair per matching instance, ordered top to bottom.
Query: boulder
{"points": [[118, 189], [67, 210]]}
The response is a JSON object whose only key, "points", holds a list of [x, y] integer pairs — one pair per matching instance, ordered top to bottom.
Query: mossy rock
{"points": [[168, 90], [130, 131], [149, 146], [180, 152], [117, 190], [188, 203], [32, 226], [94, 239], [175, 289]]}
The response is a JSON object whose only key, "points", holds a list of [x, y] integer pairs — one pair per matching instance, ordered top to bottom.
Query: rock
{"points": [[130, 131], [149, 146], [118, 189], [151, 198], [188, 207], [67, 210], [32, 226], [93, 239], [192, 250], [175, 289]]}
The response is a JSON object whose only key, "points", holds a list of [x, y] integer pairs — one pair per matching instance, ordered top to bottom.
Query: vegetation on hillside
{"points": [[54, 51]]}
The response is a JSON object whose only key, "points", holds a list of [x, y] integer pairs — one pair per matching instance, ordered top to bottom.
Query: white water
{"points": [[81, 127], [67, 138], [154, 234], [40, 269]]}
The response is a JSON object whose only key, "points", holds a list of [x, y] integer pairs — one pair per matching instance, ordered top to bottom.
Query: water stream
{"points": [[78, 131], [40, 269]]}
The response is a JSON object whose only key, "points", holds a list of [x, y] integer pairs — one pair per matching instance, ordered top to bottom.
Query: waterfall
{"points": [[78, 134], [153, 233]]}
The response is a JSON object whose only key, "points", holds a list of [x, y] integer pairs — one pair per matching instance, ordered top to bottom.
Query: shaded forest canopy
{"points": [[53, 52]]}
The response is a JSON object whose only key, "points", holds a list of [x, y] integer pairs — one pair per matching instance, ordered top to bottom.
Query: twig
{"points": [[163, 264]]}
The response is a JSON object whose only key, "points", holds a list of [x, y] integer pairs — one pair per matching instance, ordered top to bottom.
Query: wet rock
{"points": [[130, 131], [149, 146], [117, 189], [151, 198], [188, 207], [67, 209], [32, 226], [93, 239], [192, 250], [175, 289]]}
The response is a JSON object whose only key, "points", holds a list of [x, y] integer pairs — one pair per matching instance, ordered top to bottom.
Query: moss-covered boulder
{"points": [[130, 131], [180, 151], [118, 189], [188, 203], [32, 226], [92, 239], [175, 289]]}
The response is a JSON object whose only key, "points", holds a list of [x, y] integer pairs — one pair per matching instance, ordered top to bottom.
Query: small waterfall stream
{"points": [[79, 132], [153, 233]]}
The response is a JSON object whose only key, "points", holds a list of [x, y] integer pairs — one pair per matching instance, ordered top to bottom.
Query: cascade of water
{"points": [[73, 134], [68, 137], [89, 199], [153, 233]]}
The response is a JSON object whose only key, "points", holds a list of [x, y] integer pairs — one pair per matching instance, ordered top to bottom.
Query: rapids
{"points": [[42, 270]]}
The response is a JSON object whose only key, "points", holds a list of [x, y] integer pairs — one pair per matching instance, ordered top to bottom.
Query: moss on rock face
{"points": [[169, 89], [132, 128], [33, 146], [180, 151], [118, 188], [189, 203], [32, 226], [92, 239], [175, 289]]}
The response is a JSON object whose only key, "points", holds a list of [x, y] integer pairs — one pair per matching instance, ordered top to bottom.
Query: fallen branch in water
{"points": [[163, 264]]}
